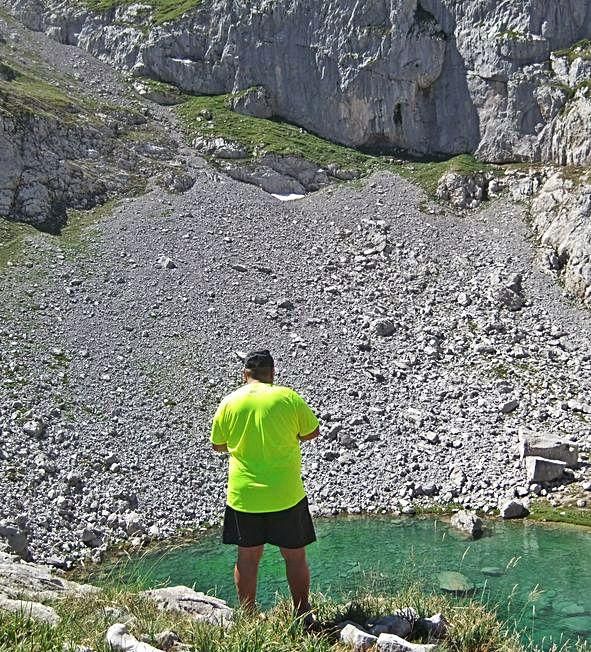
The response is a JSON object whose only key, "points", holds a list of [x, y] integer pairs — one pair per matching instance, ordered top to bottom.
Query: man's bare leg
{"points": [[245, 575], [298, 578]]}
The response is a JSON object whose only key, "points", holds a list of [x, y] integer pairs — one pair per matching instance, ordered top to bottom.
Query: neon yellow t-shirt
{"points": [[260, 424]]}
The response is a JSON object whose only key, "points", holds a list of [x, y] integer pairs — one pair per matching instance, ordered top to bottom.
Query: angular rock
{"points": [[255, 101], [384, 327], [534, 444], [539, 469], [513, 509], [467, 522], [16, 540], [197, 605], [393, 624], [435, 626], [356, 638], [120, 640], [393, 643]]}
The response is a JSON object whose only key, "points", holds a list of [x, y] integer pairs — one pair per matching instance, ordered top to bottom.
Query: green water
{"points": [[538, 576]]}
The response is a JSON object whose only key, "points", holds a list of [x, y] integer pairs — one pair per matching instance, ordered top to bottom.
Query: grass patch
{"points": [[164, 11], [579, 50], [23, 92], [259, 136], [74, 235], [12, 241], [541, 510], [475, 628]]}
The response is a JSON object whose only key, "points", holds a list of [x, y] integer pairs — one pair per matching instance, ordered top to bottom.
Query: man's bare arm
{"points": [[312, 435], [220, 448]]}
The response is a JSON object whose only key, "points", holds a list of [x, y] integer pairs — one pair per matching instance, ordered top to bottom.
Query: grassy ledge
{"points": [[163, 10], [579, 50], [259, 136], [542, 510], [475, 628]]}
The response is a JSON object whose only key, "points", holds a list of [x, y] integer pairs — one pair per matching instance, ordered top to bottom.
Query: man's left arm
{"points": [[308, 425]]}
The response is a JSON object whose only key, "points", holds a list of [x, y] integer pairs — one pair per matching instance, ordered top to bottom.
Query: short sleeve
{"points": [[307, 421], [218, 436]]}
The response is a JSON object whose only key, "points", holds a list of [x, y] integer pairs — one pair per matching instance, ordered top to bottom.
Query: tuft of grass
{"points": [[164, 11], [259, 136], [542, 510]]}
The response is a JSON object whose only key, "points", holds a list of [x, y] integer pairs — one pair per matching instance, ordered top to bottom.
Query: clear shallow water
{"points": [[538, 575]]}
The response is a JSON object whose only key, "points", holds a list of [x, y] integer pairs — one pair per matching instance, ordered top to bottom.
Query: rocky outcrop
{"points": [[428, 76], [561, 215], [24, 586]]}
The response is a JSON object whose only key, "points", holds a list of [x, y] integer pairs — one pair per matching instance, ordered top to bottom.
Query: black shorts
{"points": [[289, 528]]}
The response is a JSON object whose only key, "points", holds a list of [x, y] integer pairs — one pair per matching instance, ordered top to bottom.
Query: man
{"points": [[261, 426]]}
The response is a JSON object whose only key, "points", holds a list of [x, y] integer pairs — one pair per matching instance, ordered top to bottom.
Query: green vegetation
{"points": [[164, 10], [512, 35], [579, 50], [24, 92], [212, 116], [12, 240], [541, 510], [475, 628]]}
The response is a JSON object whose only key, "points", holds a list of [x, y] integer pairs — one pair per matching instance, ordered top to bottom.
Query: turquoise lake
{"points": [[539, 576]]}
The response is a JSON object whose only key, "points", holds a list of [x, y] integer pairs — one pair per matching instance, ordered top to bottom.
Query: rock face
{"points": [[429, 76], [561, 214], [32, 582]]}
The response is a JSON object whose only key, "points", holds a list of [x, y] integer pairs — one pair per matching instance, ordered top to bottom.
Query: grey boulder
{"points": [[539, 469], [467, 522], [199, 606]]}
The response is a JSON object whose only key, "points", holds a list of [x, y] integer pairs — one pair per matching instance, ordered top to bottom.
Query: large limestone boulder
{"points": [[550, 447], [542, 470], [467, 522], [33, 582], [197, 605], [30, 610]]}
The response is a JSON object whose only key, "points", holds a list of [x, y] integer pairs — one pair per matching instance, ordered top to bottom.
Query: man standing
{"points": [[261, 426]]}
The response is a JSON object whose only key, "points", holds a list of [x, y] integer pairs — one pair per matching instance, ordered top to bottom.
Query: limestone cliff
{"points": [[428, 76]]}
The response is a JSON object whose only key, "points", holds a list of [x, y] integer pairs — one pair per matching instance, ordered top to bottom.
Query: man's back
{"points": [[260, 424]]}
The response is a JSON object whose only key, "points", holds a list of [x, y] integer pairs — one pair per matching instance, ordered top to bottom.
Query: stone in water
{"points": [[454, 582]]}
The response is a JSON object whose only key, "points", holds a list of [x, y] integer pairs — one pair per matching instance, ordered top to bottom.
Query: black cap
{"points": [[259, 360]]}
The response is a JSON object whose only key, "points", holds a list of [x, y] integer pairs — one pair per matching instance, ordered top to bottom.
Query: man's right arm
{"points": [[312, 435]]}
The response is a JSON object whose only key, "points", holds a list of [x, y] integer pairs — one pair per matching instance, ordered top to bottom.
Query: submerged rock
{"points": [[454, 582]]}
